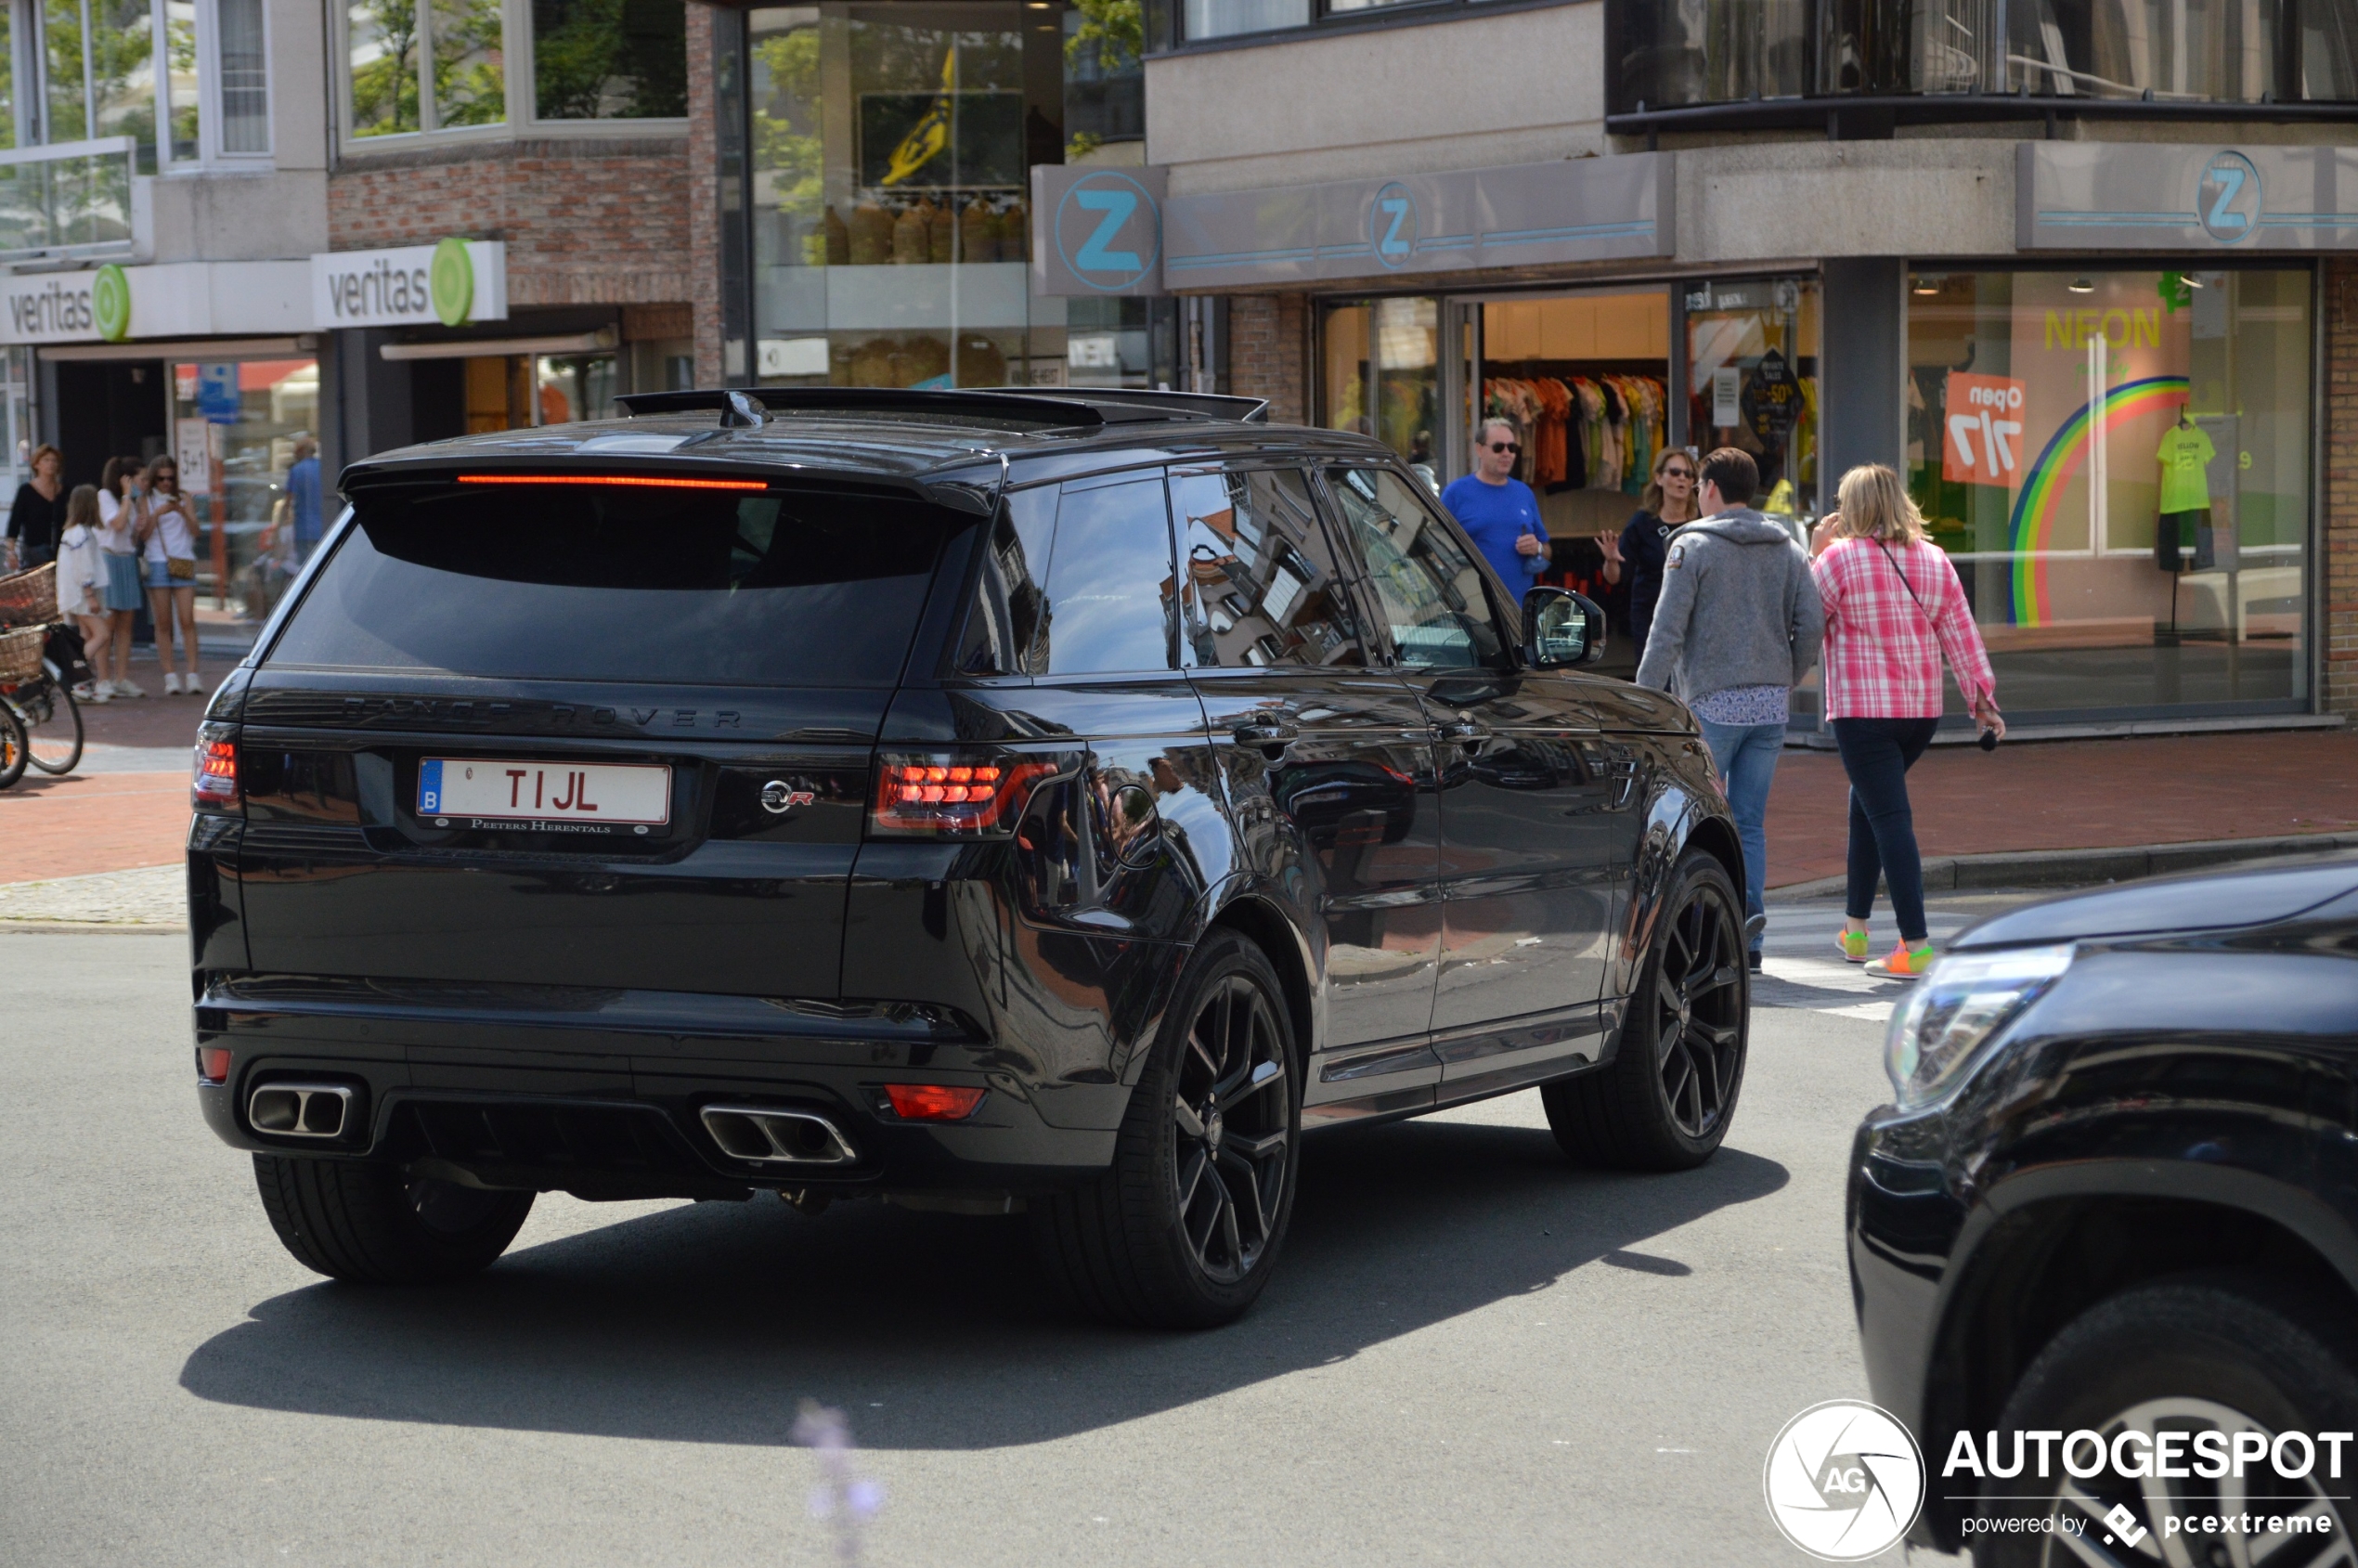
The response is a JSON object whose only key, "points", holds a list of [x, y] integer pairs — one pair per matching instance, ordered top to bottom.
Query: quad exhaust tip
{"points": [[301, 1110], [771, 1135]]}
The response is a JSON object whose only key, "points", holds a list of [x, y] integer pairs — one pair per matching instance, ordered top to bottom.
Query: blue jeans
{"points": [[1876, 753], [1746, 757]]}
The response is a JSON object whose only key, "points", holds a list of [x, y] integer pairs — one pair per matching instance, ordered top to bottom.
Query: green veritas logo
{"points": [[453, 281], [110, 302]]}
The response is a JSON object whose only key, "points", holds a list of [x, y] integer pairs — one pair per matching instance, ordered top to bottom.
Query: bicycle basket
{"points": [[30, 598], [20, 653]]}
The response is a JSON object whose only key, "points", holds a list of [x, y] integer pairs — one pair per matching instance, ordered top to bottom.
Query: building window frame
{"points": [[32, 84], [521, 117]]}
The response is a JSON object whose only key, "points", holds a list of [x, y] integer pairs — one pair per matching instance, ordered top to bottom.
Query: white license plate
{"points": [[628, 794]]}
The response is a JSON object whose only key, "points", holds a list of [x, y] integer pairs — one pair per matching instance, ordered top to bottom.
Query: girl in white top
{"points": [[118, 491], [165, 526], [82, 581]]}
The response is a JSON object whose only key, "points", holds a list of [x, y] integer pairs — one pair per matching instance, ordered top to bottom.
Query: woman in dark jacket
{"points": [[1669, 499], [38, 515]]}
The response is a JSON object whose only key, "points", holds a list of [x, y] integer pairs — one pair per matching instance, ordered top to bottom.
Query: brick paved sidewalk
{"points": [[2076, 795]]}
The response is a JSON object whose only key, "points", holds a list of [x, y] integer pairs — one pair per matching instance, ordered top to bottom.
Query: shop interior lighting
{"points": [[1927, 285], [2081, 286]]}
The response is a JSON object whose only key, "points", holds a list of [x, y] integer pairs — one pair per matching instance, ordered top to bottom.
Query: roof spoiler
{"points": [[742, 407]]}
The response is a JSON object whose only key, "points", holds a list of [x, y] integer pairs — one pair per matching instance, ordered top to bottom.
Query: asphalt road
{"points": [[1474, 1354]]}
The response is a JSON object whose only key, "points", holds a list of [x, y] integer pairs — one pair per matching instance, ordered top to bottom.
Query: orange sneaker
{"points": [[1853, 945], [1907, 960]]}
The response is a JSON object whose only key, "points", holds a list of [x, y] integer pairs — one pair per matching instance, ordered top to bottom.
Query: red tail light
{"points": [[216, 781], [952, 794], [213, 1063], [932, 1102]]}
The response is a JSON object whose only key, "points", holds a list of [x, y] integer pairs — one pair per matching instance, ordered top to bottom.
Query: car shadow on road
{"points": [[709, 1322]]}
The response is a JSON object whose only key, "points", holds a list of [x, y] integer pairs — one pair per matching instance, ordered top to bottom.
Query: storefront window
{"points": [[892, 146], [1382, 365], [1751, 382], [575, 386], [235, 428], [2119, 464]]}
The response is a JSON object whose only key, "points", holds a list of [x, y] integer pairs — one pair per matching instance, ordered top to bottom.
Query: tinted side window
{"points": [[1425, 585], [1261, 586], [1110, 607], [1008, 625]]}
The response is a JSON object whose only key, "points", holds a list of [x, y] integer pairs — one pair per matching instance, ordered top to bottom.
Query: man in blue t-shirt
{"points": [[303, 498], [1498, 512]]}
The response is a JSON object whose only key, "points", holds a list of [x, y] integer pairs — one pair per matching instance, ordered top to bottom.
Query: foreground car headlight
{"points": [[1960, 1006]]}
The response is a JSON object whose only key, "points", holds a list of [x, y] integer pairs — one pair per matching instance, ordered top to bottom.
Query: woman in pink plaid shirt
{"points": [[1893, 607]]}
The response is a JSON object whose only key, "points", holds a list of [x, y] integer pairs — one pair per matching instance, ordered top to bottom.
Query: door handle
{"points": [[1465, 731], [1271, 734]]}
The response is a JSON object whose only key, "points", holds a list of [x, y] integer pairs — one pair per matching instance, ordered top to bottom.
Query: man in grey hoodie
{"points": [[1739, 623]]}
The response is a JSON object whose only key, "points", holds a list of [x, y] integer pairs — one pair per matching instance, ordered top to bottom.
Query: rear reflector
{"points": [[639, 481], [214, 781], [953, 795], [213, 1063], [932, 1102]]}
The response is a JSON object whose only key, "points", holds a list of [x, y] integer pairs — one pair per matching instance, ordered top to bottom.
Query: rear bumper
{"points": [[613, 1112]]}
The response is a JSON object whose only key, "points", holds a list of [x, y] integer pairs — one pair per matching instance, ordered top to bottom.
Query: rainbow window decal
{"points": [[2032, 524]]}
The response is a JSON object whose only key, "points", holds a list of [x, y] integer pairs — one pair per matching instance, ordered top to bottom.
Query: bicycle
{"points": [[44, 723]]}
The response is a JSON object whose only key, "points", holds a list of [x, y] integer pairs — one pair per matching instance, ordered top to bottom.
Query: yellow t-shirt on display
{"points": [[2185, 455]]}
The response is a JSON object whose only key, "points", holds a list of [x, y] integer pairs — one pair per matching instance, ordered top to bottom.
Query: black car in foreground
{"points": [[982, 800], [2104, 1247]]}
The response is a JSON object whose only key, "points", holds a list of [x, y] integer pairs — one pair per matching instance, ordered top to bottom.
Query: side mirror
{"points": [[1562, 628]]}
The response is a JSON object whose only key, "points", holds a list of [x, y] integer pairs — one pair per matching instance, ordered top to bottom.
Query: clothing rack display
{"points": [[1593, 432]]}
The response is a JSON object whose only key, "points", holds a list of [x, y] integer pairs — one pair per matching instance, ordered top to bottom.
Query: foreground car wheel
{"points": [[1664, 1101], [369, 1224], [1183, 1231], [2191, 1356]]}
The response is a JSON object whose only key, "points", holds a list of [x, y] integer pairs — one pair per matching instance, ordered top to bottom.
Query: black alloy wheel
{"points": [[1699, 1000], [1665, 1099], [1233, 1113], [1183, 1230]]}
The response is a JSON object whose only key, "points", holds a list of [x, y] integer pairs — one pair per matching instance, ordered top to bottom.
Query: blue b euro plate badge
{"points": [[429, 787]]}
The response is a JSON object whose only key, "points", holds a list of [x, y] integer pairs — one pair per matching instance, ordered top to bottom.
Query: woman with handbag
{"points": [[118, 496], [165, 526], [1894, 608]]}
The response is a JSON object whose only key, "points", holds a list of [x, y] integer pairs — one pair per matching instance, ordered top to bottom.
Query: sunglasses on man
{"points": [[1505, 447]]}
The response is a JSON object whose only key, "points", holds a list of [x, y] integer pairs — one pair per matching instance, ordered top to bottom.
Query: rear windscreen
{"points": [[592, 582]]}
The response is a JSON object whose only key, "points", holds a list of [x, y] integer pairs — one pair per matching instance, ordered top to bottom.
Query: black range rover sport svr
{"points": [[991, 800]]}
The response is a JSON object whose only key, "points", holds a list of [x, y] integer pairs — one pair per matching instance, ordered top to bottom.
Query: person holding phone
{"points": [[1498, 512], [164, 527]]}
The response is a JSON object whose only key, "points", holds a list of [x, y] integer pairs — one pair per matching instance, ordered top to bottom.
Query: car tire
{"points": [[1664, 1101], [365, 1222], [1184, 1229], [2262, 1355]]}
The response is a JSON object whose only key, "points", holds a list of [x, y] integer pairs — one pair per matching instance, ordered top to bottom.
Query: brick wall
{"points": [[704, 212], [600, 221], [1269, 353], [2341, 564]]}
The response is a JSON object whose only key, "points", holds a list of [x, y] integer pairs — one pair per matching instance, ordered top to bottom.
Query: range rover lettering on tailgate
{"points": [[1052, 801]]}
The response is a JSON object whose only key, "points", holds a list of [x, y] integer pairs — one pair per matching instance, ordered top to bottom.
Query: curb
{"points": [[2054, 868], [87, 928]]}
